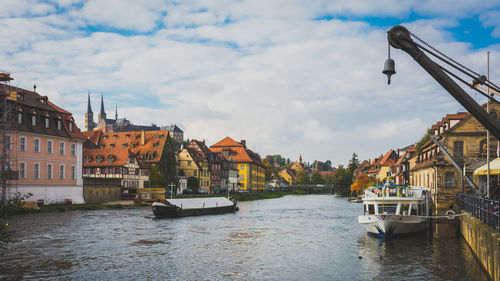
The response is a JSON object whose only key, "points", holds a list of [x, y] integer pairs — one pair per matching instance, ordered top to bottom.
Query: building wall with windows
{"points": [[44, 150]]}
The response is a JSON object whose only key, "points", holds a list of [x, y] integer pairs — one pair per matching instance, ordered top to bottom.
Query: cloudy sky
{"points": [[292, 77]]}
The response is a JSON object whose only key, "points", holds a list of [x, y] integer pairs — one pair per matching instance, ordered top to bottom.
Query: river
{"points": [[303, 237]]}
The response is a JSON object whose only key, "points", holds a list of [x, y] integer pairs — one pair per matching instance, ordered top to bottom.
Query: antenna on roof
{"points": [[34, 88]]}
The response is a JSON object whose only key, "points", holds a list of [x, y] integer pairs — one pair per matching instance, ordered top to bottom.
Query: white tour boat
{"points": [[391, 210]]}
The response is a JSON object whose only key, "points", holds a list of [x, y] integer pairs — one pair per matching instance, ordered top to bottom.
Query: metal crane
{"points": [[400, 38]]}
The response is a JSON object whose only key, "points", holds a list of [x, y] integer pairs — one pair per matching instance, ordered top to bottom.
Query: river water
{"points": [[303, 237]]}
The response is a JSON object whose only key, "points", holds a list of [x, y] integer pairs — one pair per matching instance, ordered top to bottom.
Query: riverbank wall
{"points": [[484, 242]]}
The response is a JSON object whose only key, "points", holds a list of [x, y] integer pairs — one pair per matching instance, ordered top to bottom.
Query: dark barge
{"points": [[173, 208]]}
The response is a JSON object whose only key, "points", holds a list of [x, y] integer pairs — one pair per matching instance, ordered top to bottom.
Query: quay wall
{"points": [[99, 194], [484, 242]]}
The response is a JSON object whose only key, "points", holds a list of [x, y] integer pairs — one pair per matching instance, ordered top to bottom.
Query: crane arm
{"points": [[399, 38]]}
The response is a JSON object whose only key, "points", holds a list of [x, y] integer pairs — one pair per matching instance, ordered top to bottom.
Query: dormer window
{"points": [[19, 117], [33, 120], [47, 123], [59, 124], [71, 126], [115, 136], [112, 145], [124, 145], [111, 158], [88, 159], [99, 159]]}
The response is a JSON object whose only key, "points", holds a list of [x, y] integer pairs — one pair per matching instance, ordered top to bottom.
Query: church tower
{"points": [[102, 116], [89, 117]]}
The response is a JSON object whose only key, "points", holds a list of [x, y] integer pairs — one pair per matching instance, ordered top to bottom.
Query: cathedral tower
{"points": [[89, 117]]}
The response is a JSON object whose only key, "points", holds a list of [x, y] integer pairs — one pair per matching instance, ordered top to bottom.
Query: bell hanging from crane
{"points": [[389, 68]]}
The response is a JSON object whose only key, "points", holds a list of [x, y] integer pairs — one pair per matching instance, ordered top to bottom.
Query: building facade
{"points": [[43, 148], [251, 171]]}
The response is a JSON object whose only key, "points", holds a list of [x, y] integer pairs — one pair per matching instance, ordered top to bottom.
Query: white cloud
{"points": [[269, 74]]}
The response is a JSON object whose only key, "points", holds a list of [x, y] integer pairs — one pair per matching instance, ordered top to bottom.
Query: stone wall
{"points": [[484, 242]]}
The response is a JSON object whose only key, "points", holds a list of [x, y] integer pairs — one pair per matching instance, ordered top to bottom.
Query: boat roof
{"points": [[199, 203]]}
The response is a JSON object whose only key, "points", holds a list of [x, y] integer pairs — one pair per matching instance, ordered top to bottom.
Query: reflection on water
{"points": [[312, 237]]}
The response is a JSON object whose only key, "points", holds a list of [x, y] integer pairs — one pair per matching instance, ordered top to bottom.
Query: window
{"points": [[19, 117], [33, 120], [47, 124], [59, 124], [71, 126], [8, 142], [22, 144], [36, 145], [49, 147], [458, 147], [61, 148], [73, 149], [189, 163], [242, 167], [22, 170], [36, 171], [49, 171], [61, 172], [195, 173], [242, 177], [449, 180], [387, 208]]}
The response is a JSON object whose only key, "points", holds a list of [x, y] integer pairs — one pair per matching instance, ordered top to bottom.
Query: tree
{"points": [[423, 140], [277, 158], [354, 162], [327, 166], [268, 171], [302, 177], [156, 178], [316, 178], [342, 181], [193, 183], [7, 209]]}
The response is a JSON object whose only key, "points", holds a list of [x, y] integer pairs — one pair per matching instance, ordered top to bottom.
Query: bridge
{"points": [[312, 188]]}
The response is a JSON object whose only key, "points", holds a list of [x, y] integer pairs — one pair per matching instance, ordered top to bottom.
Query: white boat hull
{"points": [[393, 225]]}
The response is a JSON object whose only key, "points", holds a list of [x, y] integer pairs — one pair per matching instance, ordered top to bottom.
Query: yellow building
{"points": [[465, 139], [193, 165], [251, 171], [288, 175]]}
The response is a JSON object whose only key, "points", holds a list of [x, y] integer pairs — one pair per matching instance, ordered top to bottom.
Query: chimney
{"points": [[143, 137], [244, 143]]}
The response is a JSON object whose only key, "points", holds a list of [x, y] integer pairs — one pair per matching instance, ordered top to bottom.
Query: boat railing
{"points": [[392, 193], [485, 209]]}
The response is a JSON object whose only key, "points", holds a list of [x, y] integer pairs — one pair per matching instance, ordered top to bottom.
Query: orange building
{"points": [[250, 168]]}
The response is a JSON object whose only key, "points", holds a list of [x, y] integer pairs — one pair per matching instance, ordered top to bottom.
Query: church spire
{"points": [[89, 108], [116, 112], [103, 113]]}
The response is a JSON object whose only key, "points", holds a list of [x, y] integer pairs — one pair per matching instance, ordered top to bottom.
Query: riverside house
{"points": [[43, 149]]}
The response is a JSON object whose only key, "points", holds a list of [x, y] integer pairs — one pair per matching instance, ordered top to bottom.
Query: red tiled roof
{"points": [[151, 151], [237, 151], [120, 157]]}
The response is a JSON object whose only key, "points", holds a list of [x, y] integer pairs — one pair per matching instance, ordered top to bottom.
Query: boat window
{"points": [[387, 208], [371, 209], [405, 209], [413, 210]]}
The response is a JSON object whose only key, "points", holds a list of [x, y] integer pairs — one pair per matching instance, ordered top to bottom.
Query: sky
{"points": [[291, 77]]}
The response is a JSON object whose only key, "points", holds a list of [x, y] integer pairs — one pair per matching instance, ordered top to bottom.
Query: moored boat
{"points": [[171, 208], [392, 210]]}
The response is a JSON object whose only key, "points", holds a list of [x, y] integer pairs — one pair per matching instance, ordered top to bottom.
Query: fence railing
{"points": [[484, 209]]}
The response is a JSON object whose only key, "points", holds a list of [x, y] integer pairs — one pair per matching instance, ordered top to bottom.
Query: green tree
{"points": [[423, 140], [277, 158], [354, 162], [327, 166], [268, 171], [302, 177], [156, 178], [316, 178], [342, 181], [193, 183], [7, 209]]}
